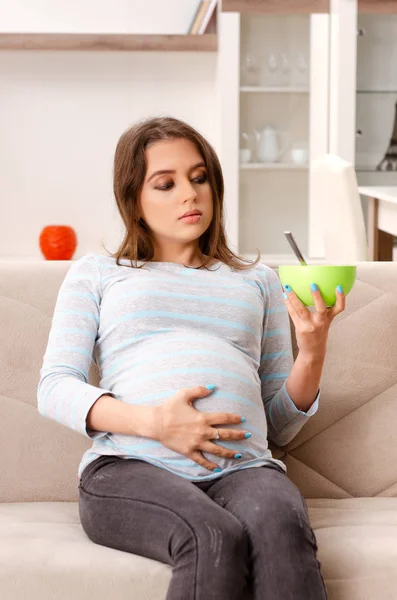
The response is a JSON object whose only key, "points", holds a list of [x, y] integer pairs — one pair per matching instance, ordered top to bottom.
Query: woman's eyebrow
{"points": [[165, 171], [162, 172]]}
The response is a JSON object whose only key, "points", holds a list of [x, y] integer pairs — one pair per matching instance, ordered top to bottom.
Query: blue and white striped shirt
{"points": [[163, 327]]}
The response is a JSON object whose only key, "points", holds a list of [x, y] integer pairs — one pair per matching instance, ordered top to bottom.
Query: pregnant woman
{"points": [[194, 350]]}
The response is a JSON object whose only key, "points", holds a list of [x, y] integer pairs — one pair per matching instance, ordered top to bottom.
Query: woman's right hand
{"points": [[184, 429]]}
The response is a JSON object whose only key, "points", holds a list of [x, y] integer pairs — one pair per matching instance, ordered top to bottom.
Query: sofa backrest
{"points": [[349, 448]]}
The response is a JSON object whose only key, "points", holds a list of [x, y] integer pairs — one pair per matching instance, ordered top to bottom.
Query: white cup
{"points": [[245, 155], [299, 156]]}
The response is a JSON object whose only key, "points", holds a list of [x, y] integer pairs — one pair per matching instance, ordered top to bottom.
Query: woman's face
{"points": [[176, 183]]}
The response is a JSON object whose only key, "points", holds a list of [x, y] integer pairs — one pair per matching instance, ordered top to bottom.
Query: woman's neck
{"points": [[190, 257]]}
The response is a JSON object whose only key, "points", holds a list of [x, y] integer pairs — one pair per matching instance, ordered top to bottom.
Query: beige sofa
{"points": [[344, 460]]}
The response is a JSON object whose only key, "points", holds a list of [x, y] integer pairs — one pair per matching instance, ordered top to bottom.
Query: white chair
{"points": [[344, 235]]}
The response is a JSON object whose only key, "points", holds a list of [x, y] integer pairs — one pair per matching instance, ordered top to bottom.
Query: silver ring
{"points": [[217, 436]]}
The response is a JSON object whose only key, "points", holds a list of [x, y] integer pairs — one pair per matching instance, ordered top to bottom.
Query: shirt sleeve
{"points": [[64, 393], [284, 419]]}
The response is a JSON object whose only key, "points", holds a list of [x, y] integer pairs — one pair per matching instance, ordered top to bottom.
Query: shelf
{"points": [[276, 6], [108, 42], [272, 90], [376, 91], [277, 166]]}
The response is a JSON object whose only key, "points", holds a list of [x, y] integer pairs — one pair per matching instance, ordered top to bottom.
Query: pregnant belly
{"points": [[157, 375], [237, 391]]}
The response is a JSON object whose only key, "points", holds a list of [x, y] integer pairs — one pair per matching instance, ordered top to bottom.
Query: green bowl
{"points": [[326, 277]]}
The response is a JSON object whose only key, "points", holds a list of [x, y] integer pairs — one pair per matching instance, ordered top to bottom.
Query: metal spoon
{"points": [[294, 246]]}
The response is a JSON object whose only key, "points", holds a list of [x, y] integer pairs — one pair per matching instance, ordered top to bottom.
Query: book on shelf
{"points": [[203, 16]]}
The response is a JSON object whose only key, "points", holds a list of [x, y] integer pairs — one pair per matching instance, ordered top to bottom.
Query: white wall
{"points": [[97, 16], [60, 118]]}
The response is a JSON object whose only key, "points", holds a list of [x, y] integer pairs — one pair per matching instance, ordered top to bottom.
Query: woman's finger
{"points": [[319, 303], [340, 303], [298, 307], [291, 311], [223, 418], [227, 434], [218, 450], [202, 461]]}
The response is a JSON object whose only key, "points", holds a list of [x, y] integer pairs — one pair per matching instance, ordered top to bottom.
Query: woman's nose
{"points": [[188, 192]]}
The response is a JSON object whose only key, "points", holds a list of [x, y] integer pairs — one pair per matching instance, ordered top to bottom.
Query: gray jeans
{"points": [[248, 530]]}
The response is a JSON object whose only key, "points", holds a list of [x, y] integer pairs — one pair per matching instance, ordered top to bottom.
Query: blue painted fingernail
{"points": [[314, 287], [288, 288], [340, 289], [285, 296], [210, 386], [243, 419], [248, 435], [238, 456], [217, 470]]}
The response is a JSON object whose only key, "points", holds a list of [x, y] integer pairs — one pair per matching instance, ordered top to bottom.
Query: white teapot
{"points": [[270, 144]]}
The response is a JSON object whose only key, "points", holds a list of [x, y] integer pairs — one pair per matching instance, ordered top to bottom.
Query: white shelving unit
{"points": [[352, 85], [364, 88], [376, 95], [375, 98], [263, 199]]}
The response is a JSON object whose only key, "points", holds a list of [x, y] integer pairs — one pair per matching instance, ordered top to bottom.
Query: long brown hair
{"points": [[130, 167]]}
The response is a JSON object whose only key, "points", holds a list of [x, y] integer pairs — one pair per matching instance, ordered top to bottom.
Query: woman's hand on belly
{"points": [[184, 429]]}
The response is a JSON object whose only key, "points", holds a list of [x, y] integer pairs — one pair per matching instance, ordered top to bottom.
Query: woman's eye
{"points": [[201, 179], [165, 186]]}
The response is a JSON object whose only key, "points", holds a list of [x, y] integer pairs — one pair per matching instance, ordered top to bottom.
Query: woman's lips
{"points": [[191, 219]]}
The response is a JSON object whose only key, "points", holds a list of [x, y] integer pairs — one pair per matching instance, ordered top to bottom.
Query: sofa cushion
{"points": [[357, 541], [45, 554]]}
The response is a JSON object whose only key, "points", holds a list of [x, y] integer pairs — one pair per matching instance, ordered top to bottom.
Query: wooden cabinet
{"points": [[276, 6], [304, 6], [377, 6]]}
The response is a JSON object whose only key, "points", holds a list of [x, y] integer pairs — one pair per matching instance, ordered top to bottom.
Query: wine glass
{"points": [[272, 62], [301, 63], [285, 66], [250, 69], [245, 150]]}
